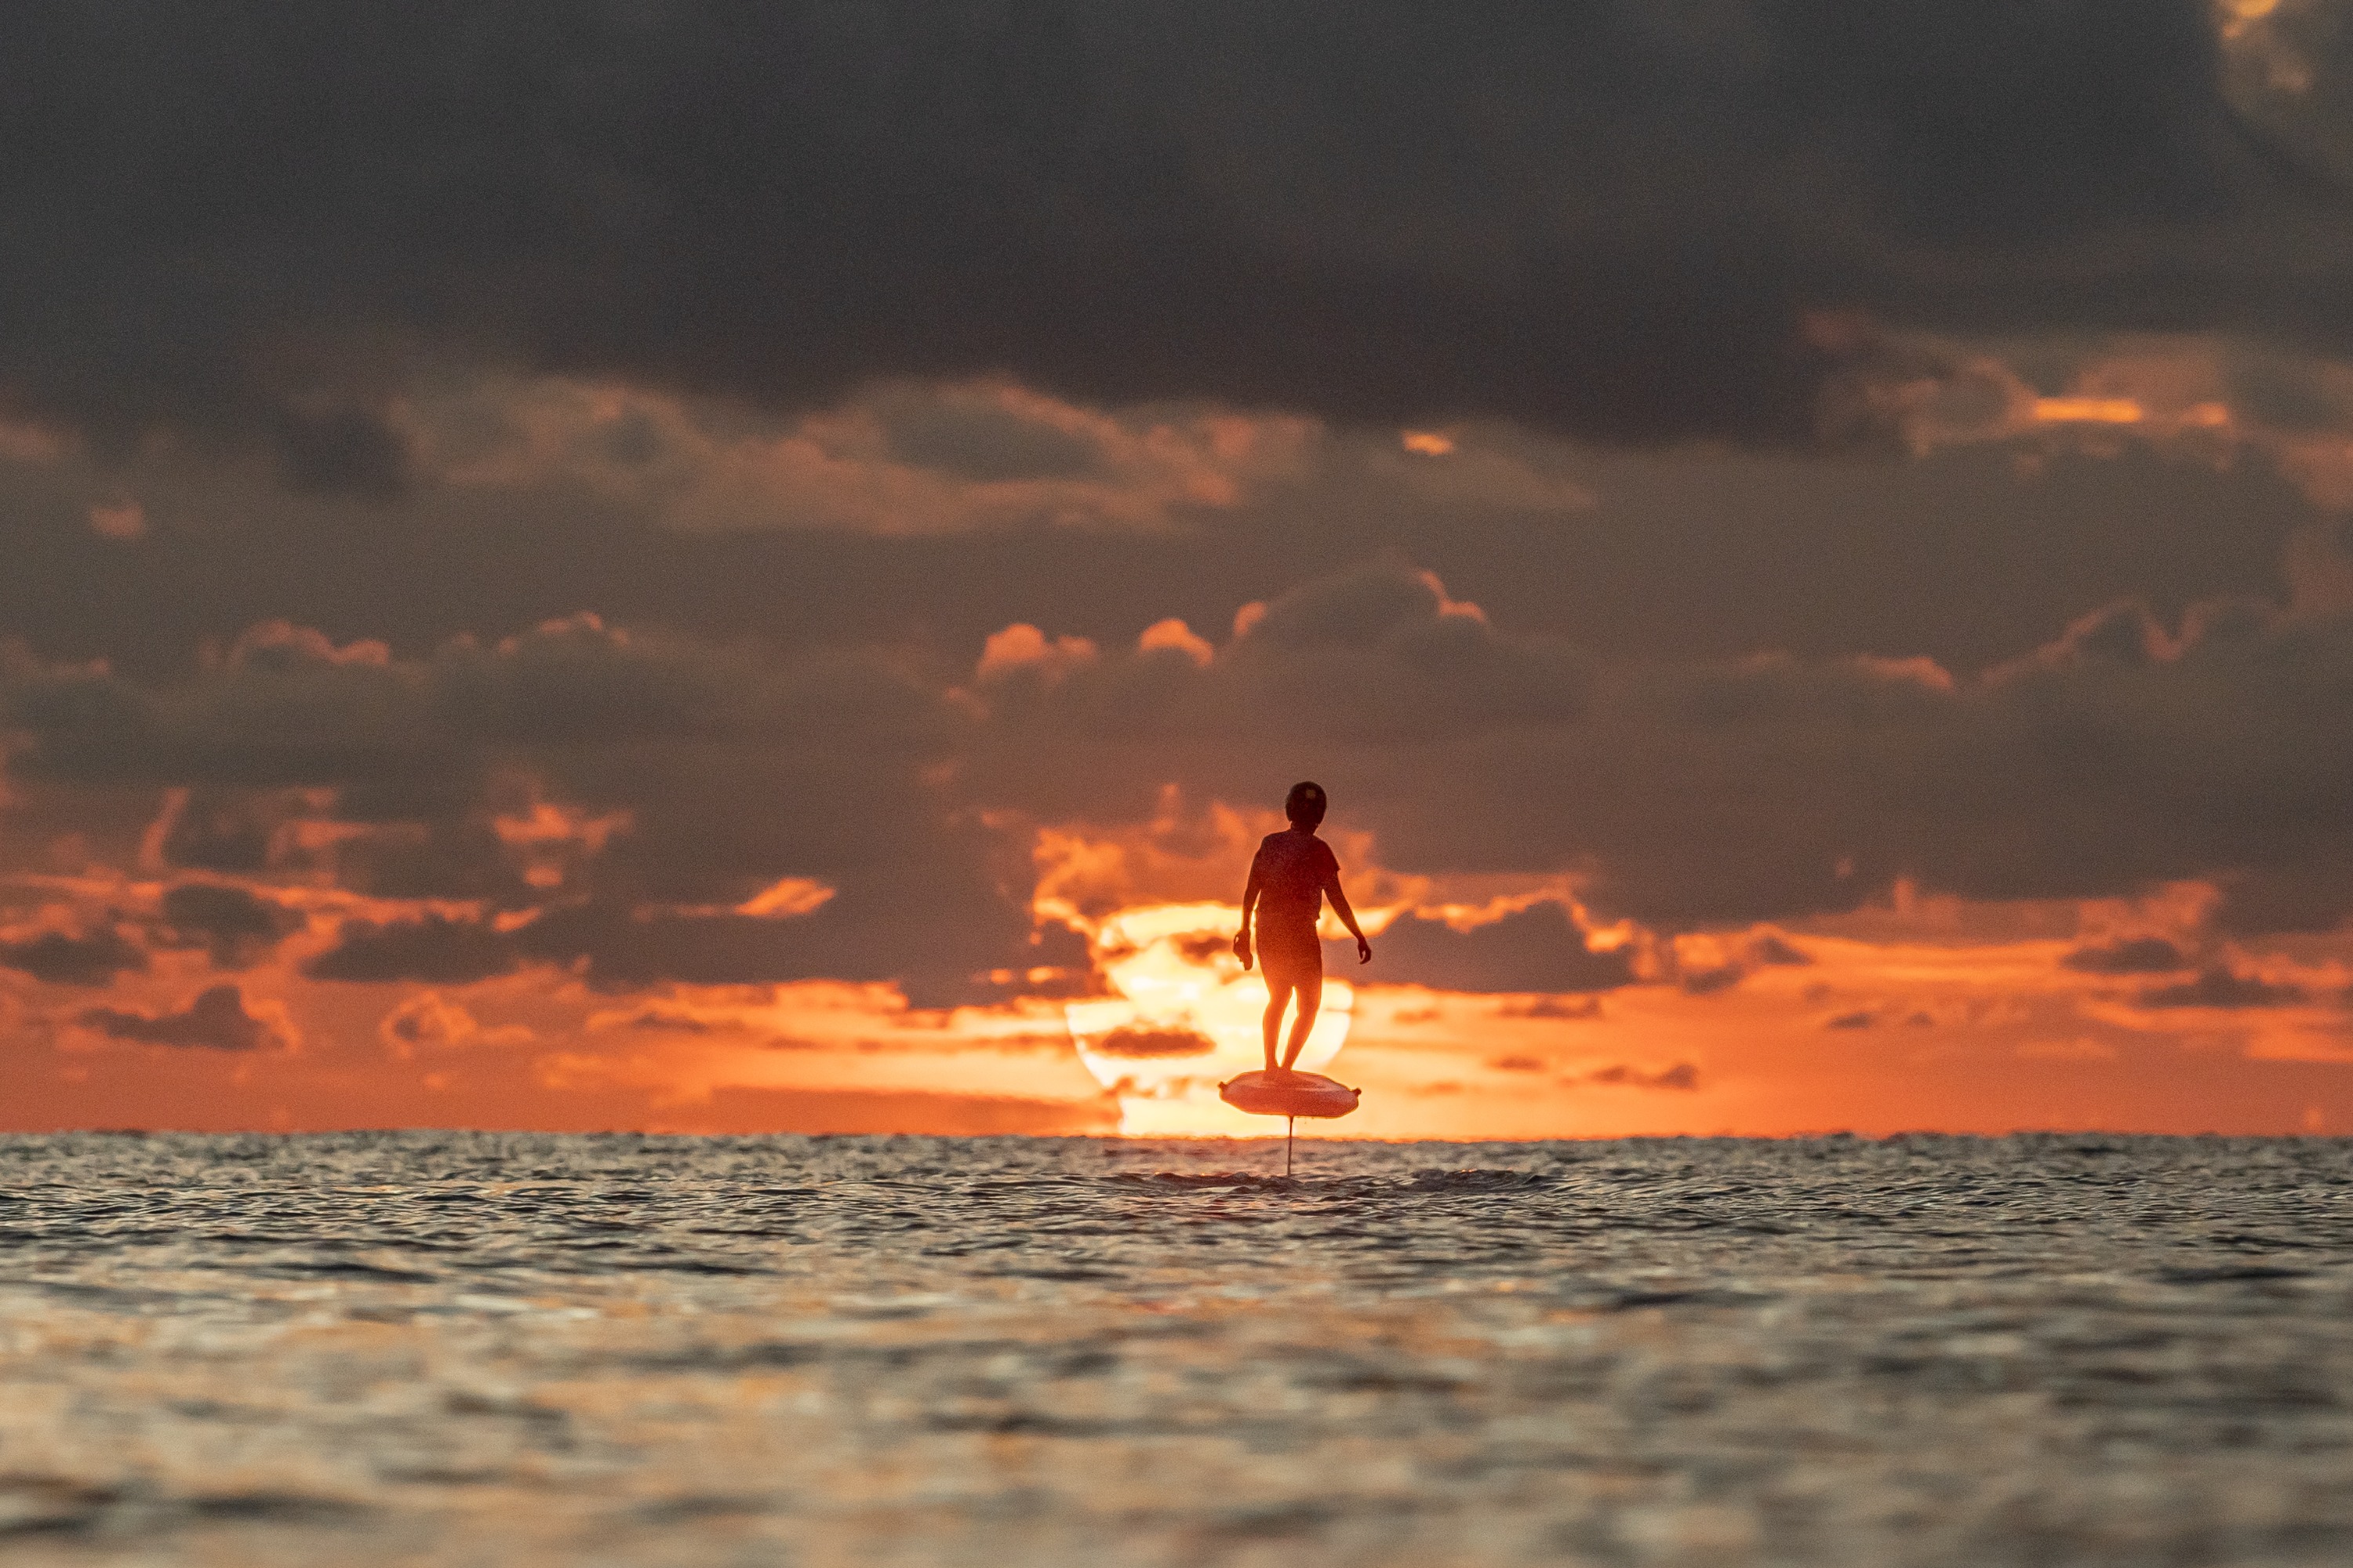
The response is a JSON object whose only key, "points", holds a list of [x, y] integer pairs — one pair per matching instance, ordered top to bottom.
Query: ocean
{"points": [[506, 1348]]}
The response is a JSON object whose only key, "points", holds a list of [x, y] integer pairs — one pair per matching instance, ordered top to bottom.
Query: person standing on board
{"points": [[1292, 875]]}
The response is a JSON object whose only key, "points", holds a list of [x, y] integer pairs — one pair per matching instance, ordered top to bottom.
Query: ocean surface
{"points": [[517, 1349]]}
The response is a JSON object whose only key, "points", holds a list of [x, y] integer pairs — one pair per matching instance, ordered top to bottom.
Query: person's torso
{"points": [[1291, 869]]}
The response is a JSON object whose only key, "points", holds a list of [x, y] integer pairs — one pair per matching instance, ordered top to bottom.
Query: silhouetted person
{"points": [[1292, 873]]}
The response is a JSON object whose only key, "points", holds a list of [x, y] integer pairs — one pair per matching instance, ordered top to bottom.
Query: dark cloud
{"points": [[1957, 112], [1606, 217], [988, 444], [341, 452], [1682, 554], [287, 709], [2118, 757], [691, 777], [630, 792], [231, 833], [2259, 900], [237, 926], [1204, 946], [1538, 948], [434, 949], [1769, 949], [623, 950], [1766, 950], [2130, 956], [92, 958], [2224, 988], [1552, 1007], [671, 1020], [1862, 1020], [216, 1021], [1152, 1042], [1682, 1076]]}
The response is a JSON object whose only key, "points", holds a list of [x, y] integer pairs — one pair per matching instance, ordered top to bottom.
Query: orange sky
{"points": [[772, 604], [127, 1005], [1918, 1015]]}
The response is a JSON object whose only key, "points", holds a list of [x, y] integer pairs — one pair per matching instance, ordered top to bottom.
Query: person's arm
{"points": [[1250, 902], [1347, 916]]}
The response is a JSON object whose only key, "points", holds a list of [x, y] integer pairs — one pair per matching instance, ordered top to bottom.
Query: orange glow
{"points": [[2088, 411], [1429, 443], [124, 519], [1175, 635], [1022, 646], [1182, 855], [788, 899], [1925, 1012], [1186, 1017]]}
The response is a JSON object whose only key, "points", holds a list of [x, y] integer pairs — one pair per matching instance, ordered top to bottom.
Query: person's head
{"points": [[1304, 805]]}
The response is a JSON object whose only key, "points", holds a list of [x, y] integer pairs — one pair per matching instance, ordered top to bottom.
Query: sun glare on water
{"points": [[1185, 1018]]}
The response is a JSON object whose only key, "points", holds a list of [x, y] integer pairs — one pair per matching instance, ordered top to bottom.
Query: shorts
{"points": [[1291, 954]]}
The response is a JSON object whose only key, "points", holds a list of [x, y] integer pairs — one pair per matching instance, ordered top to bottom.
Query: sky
{"points": [[708, 566]]}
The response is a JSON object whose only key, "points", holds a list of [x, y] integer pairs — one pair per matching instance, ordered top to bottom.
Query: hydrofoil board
{"points": [[1288, 1094]]}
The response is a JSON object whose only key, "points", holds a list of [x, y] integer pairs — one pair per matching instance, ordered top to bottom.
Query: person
{"points": [[1292, 875]]}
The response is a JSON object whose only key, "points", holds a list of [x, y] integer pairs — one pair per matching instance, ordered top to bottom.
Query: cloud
{"points": [[1606, 219], [334, 447], [900, 457], [121, 519], [1022, 649], [2118, 757], [612, 782], [594, 796], [237, 926], [1538, 948], [433, 949], [2128, 955], [92, 958], [1710, 966], [1707, 982], [2222, 988], [1552, 1007], [217, 1020], [658, 1020], [431, 1021], [1142, 1043], [1682, 1076]]}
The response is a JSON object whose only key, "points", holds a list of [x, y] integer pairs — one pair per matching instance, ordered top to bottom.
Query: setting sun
{"points": [[1185, 1019]]}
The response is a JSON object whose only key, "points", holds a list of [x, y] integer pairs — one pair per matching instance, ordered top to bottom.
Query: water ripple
{"points": [[464, 1348]]}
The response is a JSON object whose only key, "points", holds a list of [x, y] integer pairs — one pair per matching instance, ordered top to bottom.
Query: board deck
{"points": [[1288, 1095]]}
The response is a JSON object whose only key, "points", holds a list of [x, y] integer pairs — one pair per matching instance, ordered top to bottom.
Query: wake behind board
{"points": [[1288, 1095]]}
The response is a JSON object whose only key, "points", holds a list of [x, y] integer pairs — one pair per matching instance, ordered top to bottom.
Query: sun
{"points": [[1185, 1016]]}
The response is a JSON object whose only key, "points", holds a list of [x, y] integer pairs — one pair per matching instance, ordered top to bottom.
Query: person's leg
{"points": [[1278, 994], [1310, 997]]}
